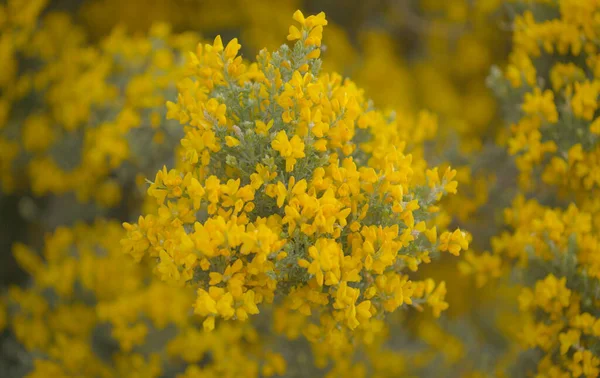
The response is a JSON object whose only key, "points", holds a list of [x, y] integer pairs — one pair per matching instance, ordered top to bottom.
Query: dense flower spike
{"points": [[287, 194]]}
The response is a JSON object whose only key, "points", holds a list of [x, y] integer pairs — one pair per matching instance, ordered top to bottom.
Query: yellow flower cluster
{"points": [[91, 111], [557, 131], [292, 189], [550, 235], [552, 245], [86, 294], [65, 321], [571, 333]]}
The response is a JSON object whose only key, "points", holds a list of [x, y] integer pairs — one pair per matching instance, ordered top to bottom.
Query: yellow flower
{"points": [[541, 104], [262, 128], [231, 141], [290, 149], [454, 242], [205, 304], [568, 340]]}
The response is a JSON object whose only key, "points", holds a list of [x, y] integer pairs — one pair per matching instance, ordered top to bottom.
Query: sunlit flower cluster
{"points": [[293, 190]]}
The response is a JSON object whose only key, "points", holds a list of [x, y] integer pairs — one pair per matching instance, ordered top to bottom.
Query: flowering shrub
{"points": [[103, 103], [292, 189], [183, 210], [553, 239]]}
